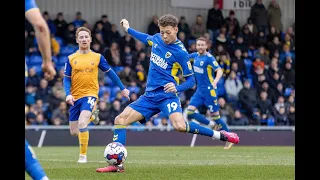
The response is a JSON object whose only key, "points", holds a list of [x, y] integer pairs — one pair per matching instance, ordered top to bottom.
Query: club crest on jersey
{"points": [[168, 54], [201, 63], [215, 63], [189, 65]]}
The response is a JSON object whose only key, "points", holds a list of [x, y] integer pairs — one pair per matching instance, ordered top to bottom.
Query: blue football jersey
{"points": [[29, 4], [166, 61], [204, 67]]}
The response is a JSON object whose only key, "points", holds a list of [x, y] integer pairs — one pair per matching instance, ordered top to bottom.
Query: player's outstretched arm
{"points": [[136, 34], [43, 37], [218, 77], [67, 83]]}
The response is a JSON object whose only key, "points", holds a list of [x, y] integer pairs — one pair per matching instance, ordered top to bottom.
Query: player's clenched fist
{"points": [[125, 24], [170, 87], [125, 93], [70, 100]]}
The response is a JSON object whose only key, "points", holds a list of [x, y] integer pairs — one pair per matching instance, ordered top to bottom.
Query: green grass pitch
{"points": [[240, 162]]}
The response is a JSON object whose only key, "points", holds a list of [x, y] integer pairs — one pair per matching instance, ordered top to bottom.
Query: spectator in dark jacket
{"points": [[259, 15], [214, 21]]}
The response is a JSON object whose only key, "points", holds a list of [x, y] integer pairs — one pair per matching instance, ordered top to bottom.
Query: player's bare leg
{"points": [[127, 117], [200, 118], [181, 125], [83, 135], [228, 145]]}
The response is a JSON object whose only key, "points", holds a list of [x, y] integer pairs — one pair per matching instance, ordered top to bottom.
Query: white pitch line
{"points": [[43, 135]]}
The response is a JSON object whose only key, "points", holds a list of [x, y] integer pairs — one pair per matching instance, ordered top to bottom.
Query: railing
{"points": [[146, 128]]}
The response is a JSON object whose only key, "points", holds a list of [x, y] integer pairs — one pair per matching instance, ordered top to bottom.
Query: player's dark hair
{"points": [[168, 20], [82, 29], [202, 39]]}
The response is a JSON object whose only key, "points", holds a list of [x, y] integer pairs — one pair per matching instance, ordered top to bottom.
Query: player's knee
{"points": [[215, 113], [120, 120], [82, 124], [179, 126], [74, 132]]}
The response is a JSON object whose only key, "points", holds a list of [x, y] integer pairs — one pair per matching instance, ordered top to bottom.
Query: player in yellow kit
{"points": [[81, 86]]}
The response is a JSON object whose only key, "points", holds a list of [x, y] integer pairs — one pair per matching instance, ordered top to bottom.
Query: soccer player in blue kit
{"points": [[34, 16], [168, 57], [204, 66]]}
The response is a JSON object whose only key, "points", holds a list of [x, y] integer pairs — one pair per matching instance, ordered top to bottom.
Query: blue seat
{"points": [[66, 50], [54, 59], [35, 60], [62, 60], [117, 69], [104, 89], [114, 91], [287, 92]]}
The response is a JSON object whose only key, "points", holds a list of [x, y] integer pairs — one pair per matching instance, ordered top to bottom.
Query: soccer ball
{"points": [[115, 153]]}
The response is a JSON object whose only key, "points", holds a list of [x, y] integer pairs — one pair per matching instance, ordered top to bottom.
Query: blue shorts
{"points": [[207, 98], [155, 101], [85, 103]]}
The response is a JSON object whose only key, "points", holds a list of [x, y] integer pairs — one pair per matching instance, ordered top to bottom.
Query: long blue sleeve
{"points": [[139, 35], [115, 79], [190, 82], [67, 85]]}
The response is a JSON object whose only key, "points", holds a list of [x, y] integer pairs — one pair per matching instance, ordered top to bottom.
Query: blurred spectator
{"points": [[274, 15], [259, 16], [214, 20], [78, 21], [232, 24], [51, 25], [61, 25], [106, 25], [183, 26], [251, 26], [153, 27], [198, 29], [273, 33], [113, 35], [70, 36], [182, 37], [248, 37], [98, 39], [261, 39], [127, 40], [29, 44], [239, 44], [274, 45], [55, 46], [261, 53], [113, 55], [127, 57], [144, 61], [240, 61], [257, 63], [224, 64], [141, 75], [127, 76], [289, 76], [33, 78], [275, 80], [58, 86], [233, 86], [279, 91], [43, 92], [30, 95], [271, 95], [248, 98], [54, 101], [290, 102], [279, 103], [40, 107], [265, 108], [114, 111], [226, 111], [60, 113], [104, 114], [292, 116], [281, 118], [239, 119], [40, 120]]}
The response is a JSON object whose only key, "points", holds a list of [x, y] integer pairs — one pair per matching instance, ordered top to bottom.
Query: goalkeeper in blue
{"points": [[168, 58], [204, 66]]}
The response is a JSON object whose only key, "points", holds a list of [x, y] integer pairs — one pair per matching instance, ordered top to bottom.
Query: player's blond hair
{"points": [[168, 20], [82, 29]]}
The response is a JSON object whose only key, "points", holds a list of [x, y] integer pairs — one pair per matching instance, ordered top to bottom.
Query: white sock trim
{"points": [[216, 135]]}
